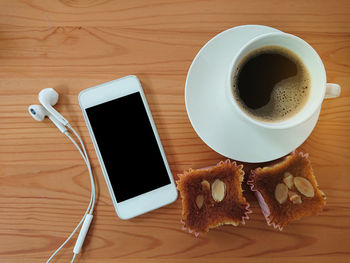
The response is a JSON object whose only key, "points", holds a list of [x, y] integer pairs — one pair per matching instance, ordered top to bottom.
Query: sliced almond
{"points": [[288, 180], [205, 184], [304, 186], [218, 190], [281, 193], [323, 195], [294, 197], [199, 201]]}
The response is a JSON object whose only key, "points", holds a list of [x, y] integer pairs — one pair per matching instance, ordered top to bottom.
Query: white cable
{"points": [[81, 142], [86, 159], [88, 164], [91, 205], [87, 210], [63, 244], [74, 255]]}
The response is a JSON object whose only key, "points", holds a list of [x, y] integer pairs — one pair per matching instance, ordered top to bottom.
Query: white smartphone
{"points": [[128, 147]]}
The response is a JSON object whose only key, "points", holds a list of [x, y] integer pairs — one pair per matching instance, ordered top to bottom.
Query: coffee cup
{"points": [[294, 108]]}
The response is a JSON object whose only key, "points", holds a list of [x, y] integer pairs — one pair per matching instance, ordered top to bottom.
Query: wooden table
{"points": [[72, 45]]}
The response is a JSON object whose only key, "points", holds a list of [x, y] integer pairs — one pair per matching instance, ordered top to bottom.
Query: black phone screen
{"points": [[128, 146]]}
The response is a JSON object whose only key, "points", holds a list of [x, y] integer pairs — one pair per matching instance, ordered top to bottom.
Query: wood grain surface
{"points": [[72, 45]]}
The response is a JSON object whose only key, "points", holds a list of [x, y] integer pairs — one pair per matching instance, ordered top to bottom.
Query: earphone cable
{"points": [[86, 159], [88, 164], [89, 209], [70, 236], [74, 255]]}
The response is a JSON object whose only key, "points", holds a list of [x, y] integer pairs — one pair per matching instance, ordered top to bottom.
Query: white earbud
{"points": [[49, 97], [39, 113]]}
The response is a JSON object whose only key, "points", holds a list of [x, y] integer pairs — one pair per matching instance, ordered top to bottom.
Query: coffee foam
{"points": [[288, 96]]}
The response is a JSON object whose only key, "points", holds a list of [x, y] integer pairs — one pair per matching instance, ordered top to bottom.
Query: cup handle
{"points": [[332, 90]]}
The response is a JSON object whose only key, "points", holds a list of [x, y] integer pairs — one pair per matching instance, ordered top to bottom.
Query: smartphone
{"points": [[128, 147]]}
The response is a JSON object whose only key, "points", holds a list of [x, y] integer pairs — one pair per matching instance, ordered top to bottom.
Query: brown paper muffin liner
{"points": [[264, 181], [217, 208]]}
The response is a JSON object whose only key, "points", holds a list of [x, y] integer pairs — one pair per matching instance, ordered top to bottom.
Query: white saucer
{"points": [[212, 116]]}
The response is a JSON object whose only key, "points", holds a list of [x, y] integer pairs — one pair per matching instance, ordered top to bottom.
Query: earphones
{"points": [[48, 98]]}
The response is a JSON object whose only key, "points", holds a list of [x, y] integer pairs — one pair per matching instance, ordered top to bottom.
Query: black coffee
{"points": [[271, 84]]}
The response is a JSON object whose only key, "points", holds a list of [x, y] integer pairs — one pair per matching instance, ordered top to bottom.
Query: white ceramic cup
{"points": [[320, 89]]}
